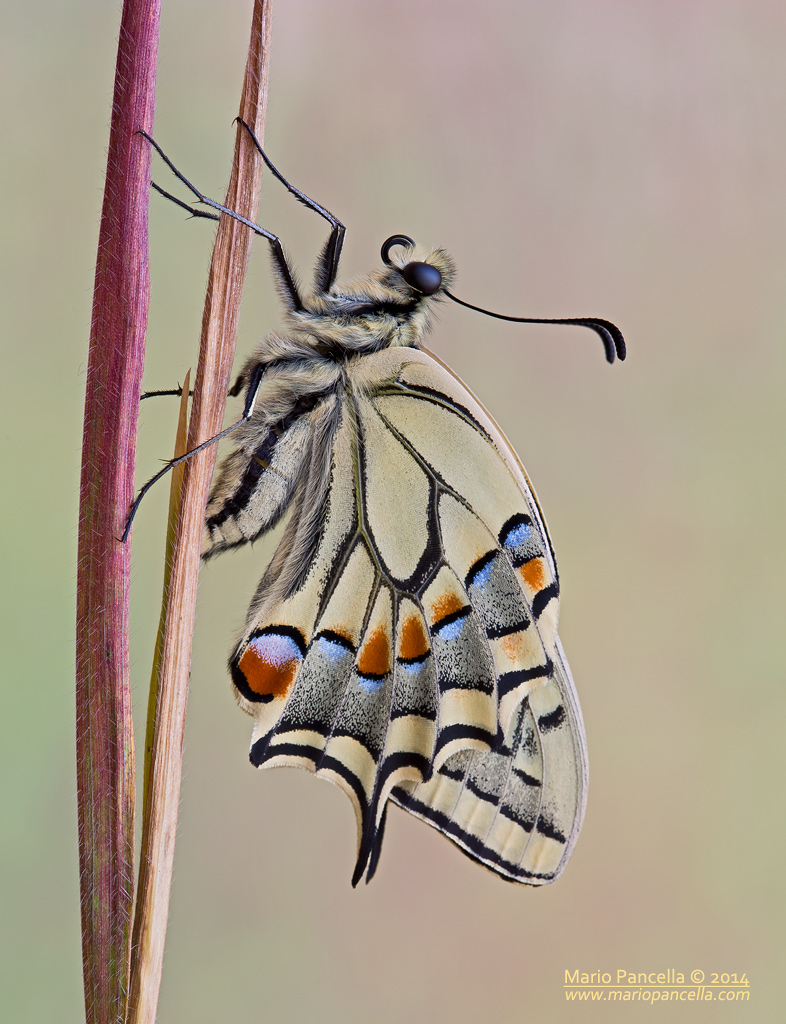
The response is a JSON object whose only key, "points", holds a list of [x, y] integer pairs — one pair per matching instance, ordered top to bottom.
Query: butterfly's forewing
{"points": [[403, 641]]}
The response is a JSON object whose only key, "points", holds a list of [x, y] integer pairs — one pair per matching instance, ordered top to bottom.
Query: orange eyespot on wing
{"points": [[533, 573], [413, 642], [374, 656], [269, 664]]}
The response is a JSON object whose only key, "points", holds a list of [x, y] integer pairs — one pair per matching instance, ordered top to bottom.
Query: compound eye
{"points": [[422, 276]]}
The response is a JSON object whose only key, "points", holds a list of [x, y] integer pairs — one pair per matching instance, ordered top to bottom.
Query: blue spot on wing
{"points": [[518, 535], [520, 539], [480, 573], [482, 577], [450, 627], [451, 630], [333, 646], [276, 649], [369, 685]]}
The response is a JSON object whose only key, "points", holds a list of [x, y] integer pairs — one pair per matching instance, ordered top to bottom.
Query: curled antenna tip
{"points": [[609, 333]]}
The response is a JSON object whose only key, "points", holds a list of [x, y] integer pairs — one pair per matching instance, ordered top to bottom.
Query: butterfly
{"points": [[402, 642]]}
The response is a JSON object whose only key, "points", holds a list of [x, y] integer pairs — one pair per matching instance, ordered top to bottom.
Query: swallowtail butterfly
{"points": [[402, 642]]}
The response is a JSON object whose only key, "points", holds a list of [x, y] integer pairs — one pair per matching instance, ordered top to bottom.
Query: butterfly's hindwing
{"points": [[402, 642], [517, 810]]}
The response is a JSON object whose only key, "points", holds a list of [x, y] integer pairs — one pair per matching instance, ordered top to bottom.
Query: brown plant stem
{"points": [[217, 347], [175, 489], [104, 728]]}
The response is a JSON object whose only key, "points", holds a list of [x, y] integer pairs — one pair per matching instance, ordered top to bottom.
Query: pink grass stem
{"points": [[104, 728]]}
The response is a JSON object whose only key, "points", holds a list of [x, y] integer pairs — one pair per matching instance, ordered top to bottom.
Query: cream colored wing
{"points": [[403, 641], [517, 809]]}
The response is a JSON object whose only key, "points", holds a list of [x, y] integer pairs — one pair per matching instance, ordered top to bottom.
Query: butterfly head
{"points": [[414, 271], [387, 308]]}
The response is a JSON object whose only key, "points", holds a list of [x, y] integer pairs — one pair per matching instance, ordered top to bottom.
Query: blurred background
{"points": [[620, 158]]}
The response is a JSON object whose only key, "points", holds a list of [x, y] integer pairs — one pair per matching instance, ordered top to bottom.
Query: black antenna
{"points": [[610, 334]]}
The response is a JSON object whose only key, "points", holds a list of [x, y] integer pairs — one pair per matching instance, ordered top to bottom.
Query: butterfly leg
{"points": [[184, 206], [279, 256], [327, 265], [174, 392], [233, 392], [251, 397]]}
